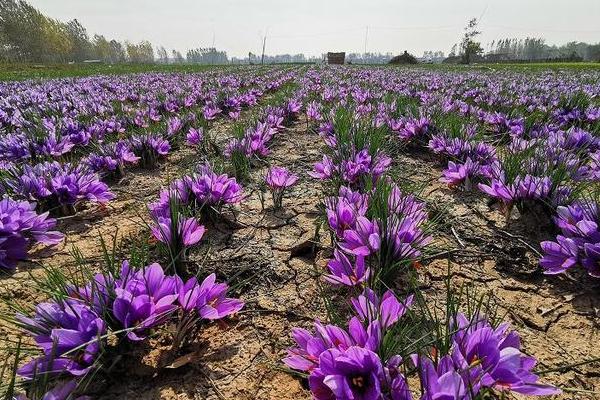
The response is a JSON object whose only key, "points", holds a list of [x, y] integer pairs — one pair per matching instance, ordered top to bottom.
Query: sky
{"points": [[314, 27]]}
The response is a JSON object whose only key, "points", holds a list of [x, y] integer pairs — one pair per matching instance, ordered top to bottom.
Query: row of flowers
{"points": [[527, 149], [60, 188], [378, 234], [75, 331]]}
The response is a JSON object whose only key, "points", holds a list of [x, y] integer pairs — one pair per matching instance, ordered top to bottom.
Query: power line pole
{"points": [[366, 41], [213, 50], [262, 59]]}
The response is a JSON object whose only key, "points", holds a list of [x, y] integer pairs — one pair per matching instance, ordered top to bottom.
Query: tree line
{"points": [[27, 35], [515, 49], [537, 49]]}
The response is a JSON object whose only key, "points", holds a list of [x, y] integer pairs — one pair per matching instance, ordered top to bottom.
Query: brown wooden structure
{"points": [[336, 58]]}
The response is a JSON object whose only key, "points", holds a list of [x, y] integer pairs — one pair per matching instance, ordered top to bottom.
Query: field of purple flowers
{"points": [[301, 232]]}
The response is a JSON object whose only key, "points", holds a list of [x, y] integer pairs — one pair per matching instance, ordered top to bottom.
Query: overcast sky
{"points": [[313, 27]]}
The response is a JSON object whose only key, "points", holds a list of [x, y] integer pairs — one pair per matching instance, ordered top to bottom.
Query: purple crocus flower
{"points": [[293, 107], [210, 111], [313, 111], [174, 125], [414, 127], [194, 136], [55, 146], [149, 148], [112, 158], [99, 163], [380, 165], [324, 169], [353, 169], [461, 174], [279, 179], [54, 185], [498, 189], [215, 190], [402, 205], [342, 214], [567, 217], [20, 225], [188, 232], [405, 237], [363, 240], [559, 256], [591, 259], [344, 272], [208, 298], [144, 299], [387, 309], [68, 333], [305, 357], [493, 357], [355, 373], [443, 382], [63, 391]]}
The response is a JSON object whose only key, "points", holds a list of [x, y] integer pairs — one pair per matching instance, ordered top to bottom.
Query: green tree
{"points": [[468, 46]]}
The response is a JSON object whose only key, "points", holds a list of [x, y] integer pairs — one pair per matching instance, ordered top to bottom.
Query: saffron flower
{"points": [[174, 125], [194, 137], [149, 148], [324, 169], [463, 174], [278, 179], [58, 187], [215, 190], [342, 214], [20, 226], [188, 231], [363, 240], [579, 242], [559, 256], [344, 272], [208, 298], [144, 299], [387, 309], [68, 334], [493, 357], [355, 373], [443, 382], [63, 391]]}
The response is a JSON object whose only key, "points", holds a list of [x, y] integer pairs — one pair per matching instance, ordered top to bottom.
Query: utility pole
{"points": [[366, 41], [212, 58], [262, 59]]}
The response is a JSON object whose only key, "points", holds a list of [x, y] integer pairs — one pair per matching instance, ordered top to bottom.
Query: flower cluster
{"points": [[411, 128], [255, 140], [149, 148], [111, 159], [470, 160], [353, 169], [278, 179], [57, 187], [203, 190], [20, 226], [398, 237], [579, 243], [72, 332], [481, 356], [345, 363]]}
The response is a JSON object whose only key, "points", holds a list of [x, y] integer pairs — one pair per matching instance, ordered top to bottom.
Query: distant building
{"points": [[336, 58]]}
